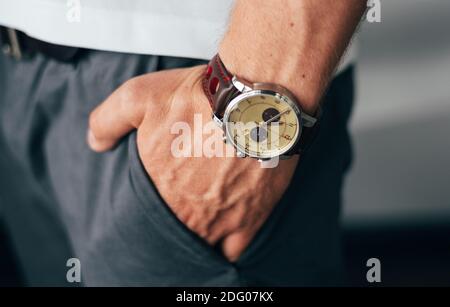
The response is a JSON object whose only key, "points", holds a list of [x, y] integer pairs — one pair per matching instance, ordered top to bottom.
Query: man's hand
{"points": [[294, 43], [223, 200]]}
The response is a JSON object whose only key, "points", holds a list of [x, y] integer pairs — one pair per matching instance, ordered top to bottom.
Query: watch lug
{"points": [[241, 85], [217, 120], [308, 120]]}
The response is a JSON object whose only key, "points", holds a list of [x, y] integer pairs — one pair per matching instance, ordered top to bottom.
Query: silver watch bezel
{"points": [[269, 89]]}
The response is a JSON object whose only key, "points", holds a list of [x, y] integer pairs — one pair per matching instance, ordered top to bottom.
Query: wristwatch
{"points": [[261, 120]]}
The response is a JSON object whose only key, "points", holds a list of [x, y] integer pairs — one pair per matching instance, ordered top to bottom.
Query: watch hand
{"points": [[276, 117], [269, 120]]}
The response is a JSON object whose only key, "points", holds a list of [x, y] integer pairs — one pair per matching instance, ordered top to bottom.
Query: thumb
{"points": [[120, 113]]}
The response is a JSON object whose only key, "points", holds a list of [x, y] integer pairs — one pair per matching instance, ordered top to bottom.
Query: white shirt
{"points": [[184, 28]]}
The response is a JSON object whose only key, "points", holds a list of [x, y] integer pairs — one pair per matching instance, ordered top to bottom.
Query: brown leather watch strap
{"points": [[218, 86]]}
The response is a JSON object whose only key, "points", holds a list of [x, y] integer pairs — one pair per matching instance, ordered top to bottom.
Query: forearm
{"points": [[294, 43]]}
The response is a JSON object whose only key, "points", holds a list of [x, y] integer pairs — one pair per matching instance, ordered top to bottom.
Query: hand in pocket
{"points": [[225, 200]]}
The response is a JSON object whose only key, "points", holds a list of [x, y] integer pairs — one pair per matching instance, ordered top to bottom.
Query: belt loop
{"points": [[14, 45], [18, 45]]}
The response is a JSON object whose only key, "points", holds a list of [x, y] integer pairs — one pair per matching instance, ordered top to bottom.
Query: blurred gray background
{"points": [[401, 121], [397, 195]]}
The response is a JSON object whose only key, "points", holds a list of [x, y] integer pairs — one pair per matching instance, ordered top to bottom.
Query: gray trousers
{"points": [[59, 200]]}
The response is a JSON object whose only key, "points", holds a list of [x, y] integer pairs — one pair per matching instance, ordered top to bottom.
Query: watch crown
{"points": [[240, 154], [261, 160]]}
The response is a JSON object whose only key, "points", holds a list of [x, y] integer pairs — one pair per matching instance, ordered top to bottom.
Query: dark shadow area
{"points": [[410, 254], [10, 275]]}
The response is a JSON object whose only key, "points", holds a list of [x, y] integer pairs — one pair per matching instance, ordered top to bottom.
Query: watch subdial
{"points": [[270, 113], [258, 134]]}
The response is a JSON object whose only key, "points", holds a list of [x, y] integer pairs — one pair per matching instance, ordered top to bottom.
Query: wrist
{"points": [[293, 43], [254, 51], [300, 67], [302, 80]]}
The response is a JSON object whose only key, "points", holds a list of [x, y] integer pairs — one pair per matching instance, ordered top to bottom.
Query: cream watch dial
{"points": [[262, 125]]}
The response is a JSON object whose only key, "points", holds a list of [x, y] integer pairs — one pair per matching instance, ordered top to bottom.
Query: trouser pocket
{"points": [[147, 245]]}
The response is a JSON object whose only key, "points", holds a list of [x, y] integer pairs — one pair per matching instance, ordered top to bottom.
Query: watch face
{"points": [[262, 124]]}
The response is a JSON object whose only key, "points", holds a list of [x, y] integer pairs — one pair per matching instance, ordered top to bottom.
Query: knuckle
{"points": [[128, 91], [133, 97], [237, 224]]}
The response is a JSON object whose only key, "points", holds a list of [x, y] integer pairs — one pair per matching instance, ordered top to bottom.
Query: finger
{"points": [[121, 112], [226, 222], [235, 244]]}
